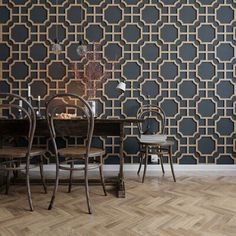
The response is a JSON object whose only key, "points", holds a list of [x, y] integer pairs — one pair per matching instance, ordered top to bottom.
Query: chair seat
{"points": [[155, 140], [80, 151], [19, 152]]}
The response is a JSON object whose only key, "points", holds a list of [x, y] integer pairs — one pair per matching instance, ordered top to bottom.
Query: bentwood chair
{"points": [[152, 138], [68, 157], [15, 158]]}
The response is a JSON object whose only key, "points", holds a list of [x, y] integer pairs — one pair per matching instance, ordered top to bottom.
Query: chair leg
{"points": [[146, 162], [140, 163], [171, 164], [162, 166], [16, 172], [42, 174], [71, 176], [102, 176], [8, 178], [28, 184], [55, 188], [87, 190]]}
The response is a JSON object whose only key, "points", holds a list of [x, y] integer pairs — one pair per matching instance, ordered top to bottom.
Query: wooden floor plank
{"points": [[193, 206]]}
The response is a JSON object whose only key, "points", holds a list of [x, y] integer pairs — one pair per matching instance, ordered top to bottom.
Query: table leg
{"points": [[2, 179], [121, 183]]}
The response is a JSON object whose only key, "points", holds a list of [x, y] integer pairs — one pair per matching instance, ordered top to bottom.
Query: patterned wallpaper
{"points": [[180, 53]]}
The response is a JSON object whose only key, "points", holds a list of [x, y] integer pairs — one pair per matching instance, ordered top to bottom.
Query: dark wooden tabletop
{"points": [[66, 127]]}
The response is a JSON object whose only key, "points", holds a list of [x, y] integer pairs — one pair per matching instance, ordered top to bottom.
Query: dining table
{"points": [[103, 127]]}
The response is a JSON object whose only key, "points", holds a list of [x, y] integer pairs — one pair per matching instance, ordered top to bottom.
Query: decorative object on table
{"points": [[56, 46], [91, 73], [29, 94], [29, 98], [93, 105], [38, 112], [20, 114], [65, 116]]}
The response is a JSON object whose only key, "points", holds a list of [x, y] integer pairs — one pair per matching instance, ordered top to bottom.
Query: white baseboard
{"points": [[200, 167], [177, 168]]}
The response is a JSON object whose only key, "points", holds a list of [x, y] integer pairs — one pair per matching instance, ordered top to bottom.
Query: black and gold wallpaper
{"points": [[179, 54]]}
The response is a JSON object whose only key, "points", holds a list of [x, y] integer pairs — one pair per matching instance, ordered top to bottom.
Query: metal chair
{"points": [[152, 138], [74, 154], [18, 158]]}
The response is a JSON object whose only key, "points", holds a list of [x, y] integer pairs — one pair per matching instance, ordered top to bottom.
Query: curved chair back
{"points": [[66, 102], [28, 118], [154, 120]]}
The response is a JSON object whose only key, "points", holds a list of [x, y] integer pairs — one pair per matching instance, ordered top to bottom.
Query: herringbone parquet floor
{"points": [[194, 206]]}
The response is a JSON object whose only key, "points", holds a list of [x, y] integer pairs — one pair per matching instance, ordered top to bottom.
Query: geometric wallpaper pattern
{"points": [[179, 54]]}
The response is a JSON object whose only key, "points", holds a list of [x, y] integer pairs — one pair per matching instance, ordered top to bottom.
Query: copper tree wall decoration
{"points": [[90, 73]]}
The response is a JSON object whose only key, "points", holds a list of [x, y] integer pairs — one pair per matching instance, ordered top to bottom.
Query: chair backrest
{"points": [[67, 102], [12, 104], [154, 120]]}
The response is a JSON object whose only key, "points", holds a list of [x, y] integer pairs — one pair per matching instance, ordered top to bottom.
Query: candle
{"points": [[29, 91], [20, 110], [38, 111], [20, 116]]}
